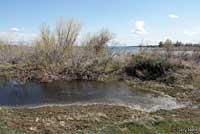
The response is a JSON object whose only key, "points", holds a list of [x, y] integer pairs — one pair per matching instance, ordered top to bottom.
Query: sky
{"points": [[131, 21]]}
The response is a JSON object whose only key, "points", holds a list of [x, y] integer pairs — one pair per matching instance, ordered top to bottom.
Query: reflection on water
{"points": [[84, 92]]}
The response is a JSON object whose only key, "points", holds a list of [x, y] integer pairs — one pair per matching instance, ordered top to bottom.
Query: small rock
{"points": [[102, 115], [173, 115], [133, 117], [70, 118], [37, 119], [97, 119], [62, 123], [33, 128]]}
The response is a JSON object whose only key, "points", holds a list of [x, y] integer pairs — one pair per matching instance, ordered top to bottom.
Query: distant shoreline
{"points": [[156, 46]]}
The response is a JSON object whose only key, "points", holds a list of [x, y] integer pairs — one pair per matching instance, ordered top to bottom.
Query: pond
{"points": [[34, 94]]}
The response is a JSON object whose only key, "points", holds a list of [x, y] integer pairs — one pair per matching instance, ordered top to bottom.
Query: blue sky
{"points": [[132, 21]]}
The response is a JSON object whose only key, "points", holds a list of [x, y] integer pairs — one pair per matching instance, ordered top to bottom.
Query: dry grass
{"points": [[14, 53], [56, 54]]}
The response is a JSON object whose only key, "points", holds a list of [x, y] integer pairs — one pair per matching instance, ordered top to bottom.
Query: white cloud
{"points": [[173, 16], [139, 28], [14, 29], [17, 36]]}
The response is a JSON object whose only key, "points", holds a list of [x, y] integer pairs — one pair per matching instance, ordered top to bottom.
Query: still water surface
{"points": [[81, 92]]}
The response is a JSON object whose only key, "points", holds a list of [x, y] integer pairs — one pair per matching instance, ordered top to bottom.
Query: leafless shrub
{"points": [[67, 32], [98, 41], [52, 47], [55, 48]]}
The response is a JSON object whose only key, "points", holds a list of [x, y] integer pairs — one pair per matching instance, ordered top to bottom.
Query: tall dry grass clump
{"points": [[55, 46], [57, 51], [14, 54]]}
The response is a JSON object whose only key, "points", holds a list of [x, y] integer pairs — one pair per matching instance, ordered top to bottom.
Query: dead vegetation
{"points": [[58, 54]]}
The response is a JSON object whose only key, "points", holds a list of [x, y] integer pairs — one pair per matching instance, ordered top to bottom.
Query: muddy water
{"points": [[81, 92]]}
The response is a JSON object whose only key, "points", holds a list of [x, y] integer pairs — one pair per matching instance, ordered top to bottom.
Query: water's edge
{"points": [[82, 93]]}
